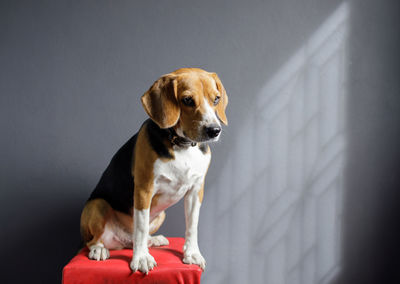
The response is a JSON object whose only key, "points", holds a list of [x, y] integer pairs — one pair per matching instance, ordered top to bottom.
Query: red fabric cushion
{"points": [[170, 268]]}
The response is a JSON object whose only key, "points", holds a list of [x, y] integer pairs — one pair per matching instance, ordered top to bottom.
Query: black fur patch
{"points": [[157, 137], [116, 185]]}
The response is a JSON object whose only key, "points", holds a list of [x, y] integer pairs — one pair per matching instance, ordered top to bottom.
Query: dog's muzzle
{"points": [[212, 131]]}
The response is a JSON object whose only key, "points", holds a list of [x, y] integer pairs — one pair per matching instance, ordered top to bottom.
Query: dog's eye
{"points": [[188, 101], [216, 101]]}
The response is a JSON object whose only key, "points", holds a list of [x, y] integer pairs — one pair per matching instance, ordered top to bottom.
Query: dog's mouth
{"points": [[204, 137]]}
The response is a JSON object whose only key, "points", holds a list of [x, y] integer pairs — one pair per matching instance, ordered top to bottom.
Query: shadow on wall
{"points": [[279, 221], [36, 251]]}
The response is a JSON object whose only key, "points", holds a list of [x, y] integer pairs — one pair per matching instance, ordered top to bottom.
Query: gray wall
{"points": [[72, 72]]}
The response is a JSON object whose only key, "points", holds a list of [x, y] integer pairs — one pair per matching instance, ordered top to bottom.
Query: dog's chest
{"points": [[173, 178]]}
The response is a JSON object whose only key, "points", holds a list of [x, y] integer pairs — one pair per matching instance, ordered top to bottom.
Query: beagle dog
{"points": [[165, 161]]}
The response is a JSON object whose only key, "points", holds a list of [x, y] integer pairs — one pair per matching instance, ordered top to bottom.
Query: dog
{"points": [[165, 161]]}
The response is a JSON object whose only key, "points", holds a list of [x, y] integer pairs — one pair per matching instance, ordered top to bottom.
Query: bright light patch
{"points": [[282, 222]]}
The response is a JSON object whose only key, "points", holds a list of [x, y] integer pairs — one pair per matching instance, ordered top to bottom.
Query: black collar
{"points": [[179, 140]]}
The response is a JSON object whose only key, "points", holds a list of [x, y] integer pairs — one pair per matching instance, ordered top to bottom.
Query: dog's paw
{"points": [[156, 241], [99, 252], [194, 257], [143, 262]]}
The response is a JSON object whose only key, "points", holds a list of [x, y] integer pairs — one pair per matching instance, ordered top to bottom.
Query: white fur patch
{"points": [[209, 116], [180, 177], [174, 178], [110, 238], [156, 241], [191, 249], [98, 252], [194, 257], [142, 260]]}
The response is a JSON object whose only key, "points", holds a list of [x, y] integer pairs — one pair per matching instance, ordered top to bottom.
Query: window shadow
{"points": [[281, 216]]}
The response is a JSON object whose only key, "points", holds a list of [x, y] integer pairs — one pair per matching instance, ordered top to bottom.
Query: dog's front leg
{"points": [[191, 251], [142, 259]]}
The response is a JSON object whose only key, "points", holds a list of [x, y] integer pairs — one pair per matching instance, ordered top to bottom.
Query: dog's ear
{"points": [[160, 101], [220, 108]]}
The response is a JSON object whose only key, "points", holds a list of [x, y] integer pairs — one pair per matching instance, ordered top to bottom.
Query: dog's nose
{"points": [[213, 131]]}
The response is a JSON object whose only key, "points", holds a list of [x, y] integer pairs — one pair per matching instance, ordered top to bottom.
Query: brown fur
{"points": [[160, 102], [220, 108], [143, 171], [201, 194], [154, 200], [98, 212], [93, 220]]}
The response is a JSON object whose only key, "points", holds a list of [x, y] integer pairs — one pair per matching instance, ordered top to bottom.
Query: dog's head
{"points": [[190, 100]]}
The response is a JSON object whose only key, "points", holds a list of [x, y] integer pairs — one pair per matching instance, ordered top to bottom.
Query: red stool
{"points": [[170, 268]]}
